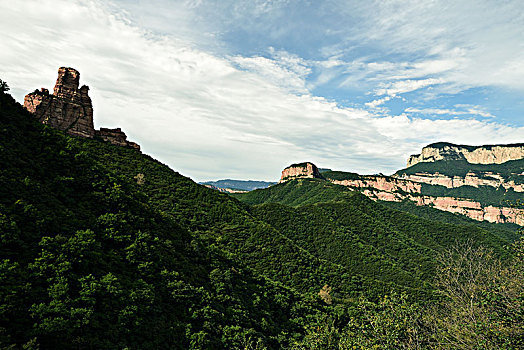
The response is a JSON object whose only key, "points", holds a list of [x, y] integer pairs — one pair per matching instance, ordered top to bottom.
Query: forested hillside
{"points": [[510, 170], [349, 229], [104, 247], [87, 262]]}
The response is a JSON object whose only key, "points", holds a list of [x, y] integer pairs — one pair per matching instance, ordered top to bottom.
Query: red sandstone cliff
{"points": [[489, 154], [471, 179], [386, 188], [396, 190]]}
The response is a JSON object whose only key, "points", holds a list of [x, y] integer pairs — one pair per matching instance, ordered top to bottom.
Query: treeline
{"points": [[510, 171]]}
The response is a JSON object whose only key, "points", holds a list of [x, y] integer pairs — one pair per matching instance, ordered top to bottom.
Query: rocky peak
{"points": [[67, 83], [69, 108], [488, 154], [302, 170]]}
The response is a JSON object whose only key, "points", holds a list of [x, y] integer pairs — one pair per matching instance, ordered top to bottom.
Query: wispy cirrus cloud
{"points": [[404, 86], [460, 110]]}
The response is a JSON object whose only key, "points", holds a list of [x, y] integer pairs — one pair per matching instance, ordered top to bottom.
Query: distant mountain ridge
{"points": [[230, 185], [483, 192]]}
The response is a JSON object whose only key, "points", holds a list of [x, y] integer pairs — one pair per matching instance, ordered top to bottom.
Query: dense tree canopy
{"points": [[104, 247]]}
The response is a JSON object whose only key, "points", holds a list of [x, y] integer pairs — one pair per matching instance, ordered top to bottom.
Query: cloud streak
{"points": [[467, 110], [214, 115]]}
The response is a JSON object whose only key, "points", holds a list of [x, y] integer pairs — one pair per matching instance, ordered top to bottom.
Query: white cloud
{"points": [[467, 43], [283, 69], [404, 86], [378, 102], [210, 115]]}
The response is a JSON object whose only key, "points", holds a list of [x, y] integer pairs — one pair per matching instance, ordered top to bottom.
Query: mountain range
{"points": [[229, 185], [105, 247]]}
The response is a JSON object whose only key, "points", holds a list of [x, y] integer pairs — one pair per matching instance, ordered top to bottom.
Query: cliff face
{"points": [[69, 108], [496, 154], [303, 170], [471, 179], [382, 183], [411, 187], [392, 189], [225, 190]]}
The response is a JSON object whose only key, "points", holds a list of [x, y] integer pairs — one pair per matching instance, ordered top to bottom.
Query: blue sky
{"points": [[241, 89]]}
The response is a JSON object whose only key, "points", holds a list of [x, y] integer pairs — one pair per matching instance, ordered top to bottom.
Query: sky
{"points": [[242, 88]]}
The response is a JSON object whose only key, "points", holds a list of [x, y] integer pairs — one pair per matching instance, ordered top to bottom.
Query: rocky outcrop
{"points": [[69, 108], [116, 137], [491, 154], [303, 171], [471, 179], [381, 183], [411, 185], [392, 189], [473, 209]]}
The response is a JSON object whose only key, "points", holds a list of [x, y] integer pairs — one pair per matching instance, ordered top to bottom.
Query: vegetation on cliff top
{"points": [[510, 171]]}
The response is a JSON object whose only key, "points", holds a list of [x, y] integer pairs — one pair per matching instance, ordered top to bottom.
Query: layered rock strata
{"points": [[69, 108], [491, 154], [471, 179], [391, 189], [397, 189]]}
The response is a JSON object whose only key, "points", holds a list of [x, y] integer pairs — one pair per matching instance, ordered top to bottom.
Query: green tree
{"points": [[3, 86], [482, 300]]}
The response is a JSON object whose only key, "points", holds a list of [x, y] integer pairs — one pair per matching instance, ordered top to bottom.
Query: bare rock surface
{"points": [[69, 108], [116, 137], [490, 154], [303, 170], [398, 189]]}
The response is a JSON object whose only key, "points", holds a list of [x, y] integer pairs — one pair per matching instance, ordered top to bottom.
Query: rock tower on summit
{"points": [[69, 108]]}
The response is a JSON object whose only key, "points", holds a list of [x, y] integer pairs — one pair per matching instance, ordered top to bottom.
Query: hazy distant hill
{"points": [[242, 185]]}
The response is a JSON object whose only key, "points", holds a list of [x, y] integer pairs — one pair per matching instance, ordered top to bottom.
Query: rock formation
{"points": [[69, 108], [116, 137], [491, 154], [303, 170], [471, 179], [409, 187], [391, 189], [225, 190]]}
